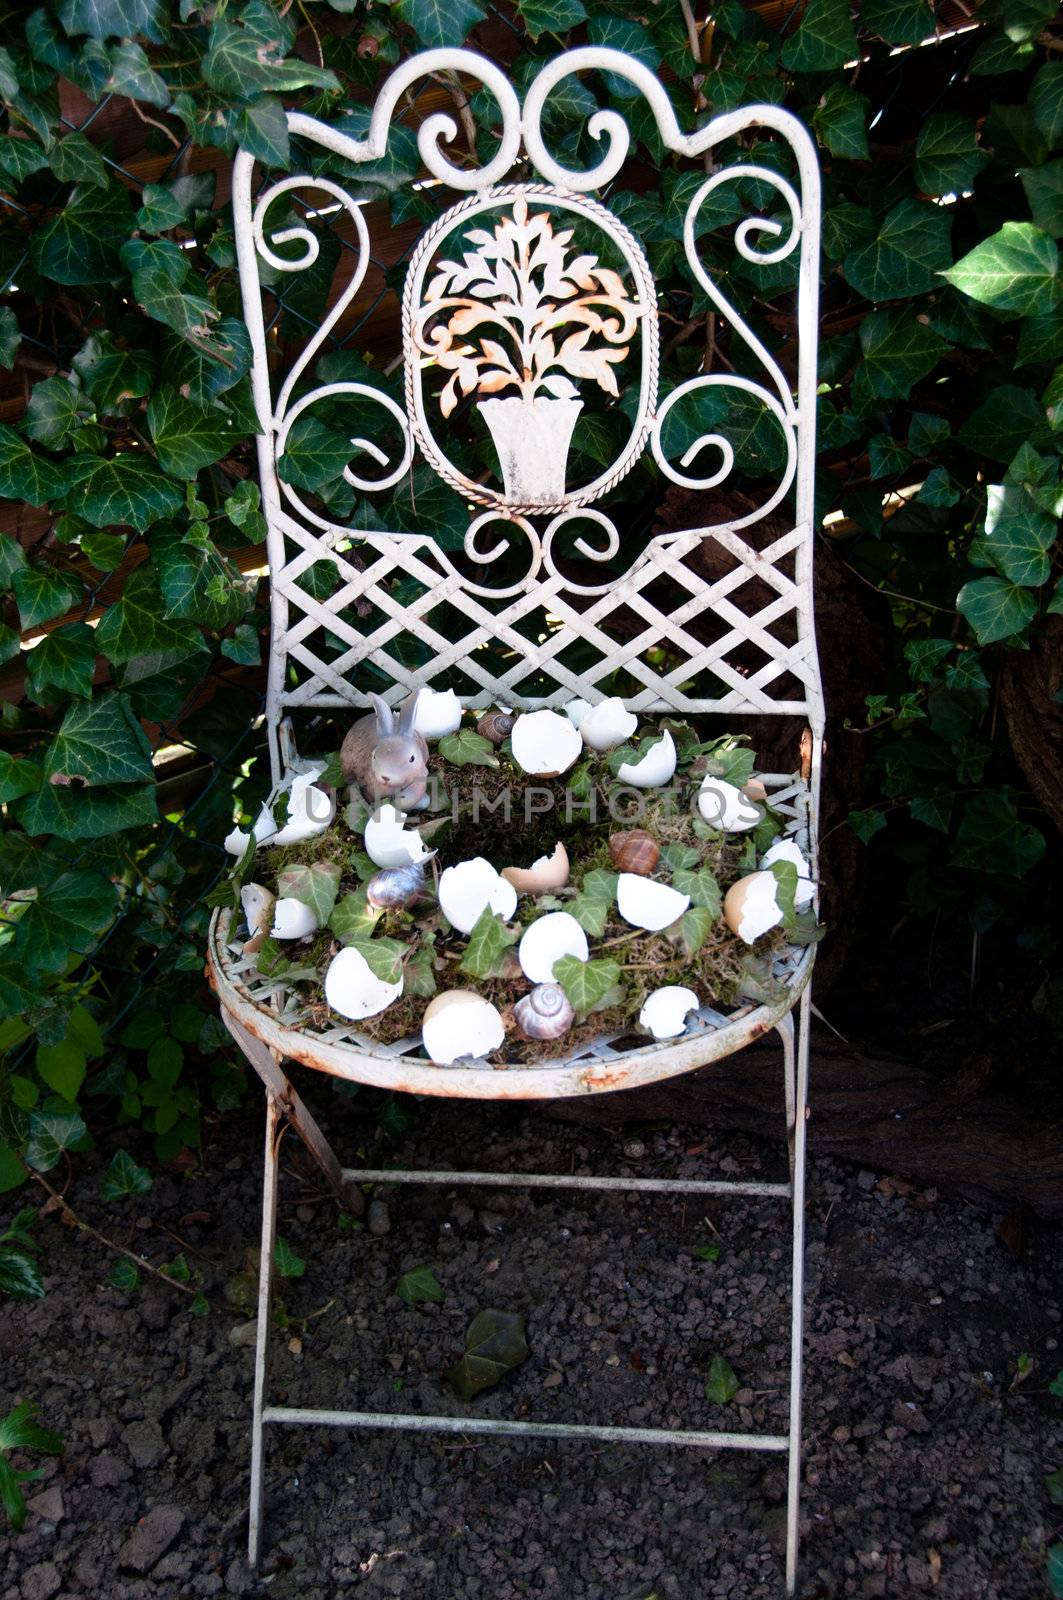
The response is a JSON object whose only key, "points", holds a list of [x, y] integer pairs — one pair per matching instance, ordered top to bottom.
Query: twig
{"points": [[152, 122], [111, 1244]]}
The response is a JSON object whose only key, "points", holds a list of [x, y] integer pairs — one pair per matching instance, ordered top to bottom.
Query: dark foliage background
{"points": [[131, 562]]}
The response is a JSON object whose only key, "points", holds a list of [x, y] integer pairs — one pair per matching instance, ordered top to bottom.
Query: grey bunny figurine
{"points": [[387, 762]]}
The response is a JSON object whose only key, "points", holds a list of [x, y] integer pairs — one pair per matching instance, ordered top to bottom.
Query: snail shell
{"points": [[496, 726], [635, 851], [395, 887], [545, 1013]]}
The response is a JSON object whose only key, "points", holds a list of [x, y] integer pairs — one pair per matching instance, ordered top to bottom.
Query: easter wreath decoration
{"points": [[508, 886]]}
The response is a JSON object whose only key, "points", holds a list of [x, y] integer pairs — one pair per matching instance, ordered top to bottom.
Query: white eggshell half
{"points": [[576, 710], [438, 712], [607, 724], [544, 743], [657, 766], [725, 807], [310, 810], [264, 829], [389, 843], [787, 850], [549, 872], [469, 888], [649, 905], [751, 907], [292, 919], [546, 941], [354, 991], [665, 1011], [460, 1023]]}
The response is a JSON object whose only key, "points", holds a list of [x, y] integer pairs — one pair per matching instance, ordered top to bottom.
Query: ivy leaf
{"points": [[551, 16], [109, 19], [898, 21], [617, 33], [823, 39], [241, 60], [132, 74], [1046, 102], [840, 121], [262, 130], [947, 157], [75, 160], [1044, 194], [81, 244], [911, 249], [1013, 270], [10, 337], [898, 350], [52, 413], [187, 436], [25, 475], [937, 489], [127, 490], [1019, 547], [104, 550], [42, 594], [995, 608], [136, 629], [243, 646], [924, 657], [63, 661], [99, 741], [467, 748], [18, 776], [934, 809], [79, 814], [992, 838], [316, 886], [701, 887], [591, 907], [68, 914], [354, 919], [694, 927], [488, 942], [384, 957], [586, 983], [62, 1067], [50, 1133], [124, 1177], [287, 1263], [124, 1276], [19, 1277], [419, 1286], [494, 1345], [721, 1385]]}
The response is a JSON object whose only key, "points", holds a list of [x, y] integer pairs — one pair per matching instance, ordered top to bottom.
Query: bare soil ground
{"points": [[924, 1454]]}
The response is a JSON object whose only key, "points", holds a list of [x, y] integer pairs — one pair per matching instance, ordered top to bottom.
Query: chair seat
{"points": [[279, 1018]]}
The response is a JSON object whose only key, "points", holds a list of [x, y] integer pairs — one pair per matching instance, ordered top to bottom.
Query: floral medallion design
{"points": [[523, 326]]}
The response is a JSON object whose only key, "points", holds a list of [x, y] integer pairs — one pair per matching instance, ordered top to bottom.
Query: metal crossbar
{"points": [[707, 620]]}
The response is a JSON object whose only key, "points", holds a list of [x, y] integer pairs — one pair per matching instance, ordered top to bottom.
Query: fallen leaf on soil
{"points": [[494, 1345], [934, 1558]]}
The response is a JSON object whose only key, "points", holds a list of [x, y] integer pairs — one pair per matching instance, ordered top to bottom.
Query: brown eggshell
{"points": [[552, 874]]}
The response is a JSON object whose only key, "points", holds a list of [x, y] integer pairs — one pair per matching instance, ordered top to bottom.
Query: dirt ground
{"points": [[924, 1457]]}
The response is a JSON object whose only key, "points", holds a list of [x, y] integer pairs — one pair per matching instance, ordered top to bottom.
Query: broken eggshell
{"points": [[576, 710], [438, 712], [607, 724], [544, 743], [656, 767], [725, 807], [310, 810], [264, 828], [389, 843], [787, 850], [547, 873], [468, 889], [257, 903], [649, 905], [751, 906], [292, 919], [546, 940], [353, 989], [665, 1011], [546, 1013], [460, 1023]]}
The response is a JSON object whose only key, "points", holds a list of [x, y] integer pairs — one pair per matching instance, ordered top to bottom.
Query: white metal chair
{"points": [[319, 658]]}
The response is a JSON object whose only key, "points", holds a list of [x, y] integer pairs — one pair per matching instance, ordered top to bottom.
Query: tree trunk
{"points": [[889, 1115]]}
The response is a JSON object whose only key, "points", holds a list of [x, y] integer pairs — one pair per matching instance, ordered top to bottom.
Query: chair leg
{"points": [[785, 1029], [274, 1135], [797, 1307]]}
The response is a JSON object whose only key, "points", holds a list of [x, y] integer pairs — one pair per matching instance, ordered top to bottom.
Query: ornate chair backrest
{"points": [[531, 390]]}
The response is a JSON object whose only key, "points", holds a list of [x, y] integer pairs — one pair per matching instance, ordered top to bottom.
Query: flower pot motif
{"points": [[517, 324]]}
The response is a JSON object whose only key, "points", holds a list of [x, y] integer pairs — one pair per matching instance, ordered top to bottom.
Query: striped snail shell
{"points": [[496, 726], [634, 851], [395, 887], [545, 1013]]}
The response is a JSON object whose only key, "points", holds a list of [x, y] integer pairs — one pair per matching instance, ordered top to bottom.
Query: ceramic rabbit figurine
{"points": [[387, 762]]}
